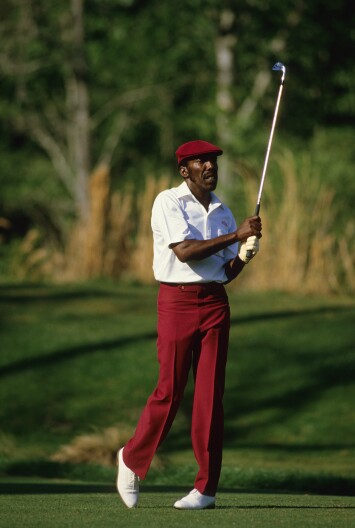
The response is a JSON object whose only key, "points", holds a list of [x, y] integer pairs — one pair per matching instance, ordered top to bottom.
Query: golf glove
{"points": [[251, 243]]}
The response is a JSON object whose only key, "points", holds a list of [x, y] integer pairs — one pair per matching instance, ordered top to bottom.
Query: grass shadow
{"points": [[288, 314], [67, 354], [50, 488]]}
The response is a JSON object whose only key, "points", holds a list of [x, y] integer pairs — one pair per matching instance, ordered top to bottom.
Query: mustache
{"points": [[209, 173]]}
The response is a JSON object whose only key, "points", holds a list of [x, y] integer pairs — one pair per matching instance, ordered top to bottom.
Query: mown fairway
{"points": [[82, 357], [45, 505]]}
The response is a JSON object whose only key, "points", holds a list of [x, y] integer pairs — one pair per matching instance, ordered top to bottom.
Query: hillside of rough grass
{"points": [[79, 359]]}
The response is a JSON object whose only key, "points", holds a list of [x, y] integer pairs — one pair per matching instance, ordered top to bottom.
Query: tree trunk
{"points": [[224, 58], [78, 132]]}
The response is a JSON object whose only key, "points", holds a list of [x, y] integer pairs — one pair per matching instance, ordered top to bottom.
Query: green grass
{"points": [[79, 357], [36, 504]]}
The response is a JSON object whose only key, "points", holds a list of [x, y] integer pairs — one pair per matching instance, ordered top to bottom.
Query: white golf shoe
{"points": [[127, 483], [196, 501]]}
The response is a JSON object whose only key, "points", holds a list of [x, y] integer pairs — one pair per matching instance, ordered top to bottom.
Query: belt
{"points": [[187, 285]]}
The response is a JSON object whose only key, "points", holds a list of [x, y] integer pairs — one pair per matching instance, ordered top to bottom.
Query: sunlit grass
{"points": [[39, 503]]}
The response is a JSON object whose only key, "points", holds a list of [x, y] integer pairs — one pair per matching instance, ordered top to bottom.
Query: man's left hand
{"points": [[251, 243]]}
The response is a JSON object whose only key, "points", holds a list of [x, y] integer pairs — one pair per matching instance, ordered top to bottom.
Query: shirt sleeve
{"points": [[168, 220], [231, 251]]}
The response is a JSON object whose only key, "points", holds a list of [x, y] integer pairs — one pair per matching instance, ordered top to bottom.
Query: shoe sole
{"points": [[210, 507]]}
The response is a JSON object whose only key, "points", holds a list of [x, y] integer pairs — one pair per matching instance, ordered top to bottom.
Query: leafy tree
{"points": [[122, 81]]}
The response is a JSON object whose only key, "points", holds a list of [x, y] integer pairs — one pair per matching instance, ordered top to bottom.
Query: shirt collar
{"points": [[183, 191]]}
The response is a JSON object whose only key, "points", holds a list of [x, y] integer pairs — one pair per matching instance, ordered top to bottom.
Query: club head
{"points": [[280, 67]]}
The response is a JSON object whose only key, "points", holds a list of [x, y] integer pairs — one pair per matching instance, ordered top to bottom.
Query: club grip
{"points": [[256, 213]]}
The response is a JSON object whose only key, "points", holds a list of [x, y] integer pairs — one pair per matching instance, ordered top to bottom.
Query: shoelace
{"points": [[133, 480]]}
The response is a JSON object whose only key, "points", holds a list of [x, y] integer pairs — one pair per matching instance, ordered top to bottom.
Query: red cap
{"points": [[193, 149]]}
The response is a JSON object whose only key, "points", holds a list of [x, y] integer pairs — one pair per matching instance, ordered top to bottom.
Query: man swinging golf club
{"points": [[197, 249]]}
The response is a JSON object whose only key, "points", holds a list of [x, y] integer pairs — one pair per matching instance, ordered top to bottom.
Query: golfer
{"points": [[197, 249]]}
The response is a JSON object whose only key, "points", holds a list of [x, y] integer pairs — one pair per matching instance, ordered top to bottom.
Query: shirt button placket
{"points": [[207, 229]]}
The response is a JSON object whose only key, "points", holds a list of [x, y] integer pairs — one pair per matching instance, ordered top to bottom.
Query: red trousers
{"points": [[193, 329]]}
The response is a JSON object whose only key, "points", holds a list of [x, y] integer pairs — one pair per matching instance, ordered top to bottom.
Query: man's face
{"points": [[201, 173]]}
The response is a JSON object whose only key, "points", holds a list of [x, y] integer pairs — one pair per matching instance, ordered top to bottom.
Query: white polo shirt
{"points": [[176, 216]]}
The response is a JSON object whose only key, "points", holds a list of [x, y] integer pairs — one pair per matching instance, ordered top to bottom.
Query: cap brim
{"points": [[197, 154]]}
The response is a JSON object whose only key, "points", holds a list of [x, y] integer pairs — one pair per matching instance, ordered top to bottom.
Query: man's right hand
{"points": [[251, 226]]}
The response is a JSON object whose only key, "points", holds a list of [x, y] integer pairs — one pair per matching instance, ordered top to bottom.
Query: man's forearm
{"points": [[201, 249], [233, 268]]}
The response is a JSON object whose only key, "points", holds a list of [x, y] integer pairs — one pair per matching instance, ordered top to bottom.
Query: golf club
{"points": [[277, 67]]}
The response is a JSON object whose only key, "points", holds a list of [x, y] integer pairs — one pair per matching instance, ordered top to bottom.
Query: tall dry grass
{"points": [[116, 241], [301, 250], [142, 252], [84, 254], [98, 447]]}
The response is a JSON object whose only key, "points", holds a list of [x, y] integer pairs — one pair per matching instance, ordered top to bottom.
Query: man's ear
{"points": [[183, 171]]}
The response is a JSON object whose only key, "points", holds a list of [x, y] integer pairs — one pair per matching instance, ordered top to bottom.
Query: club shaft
{"points": [[269, 147], [258, 201]]}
